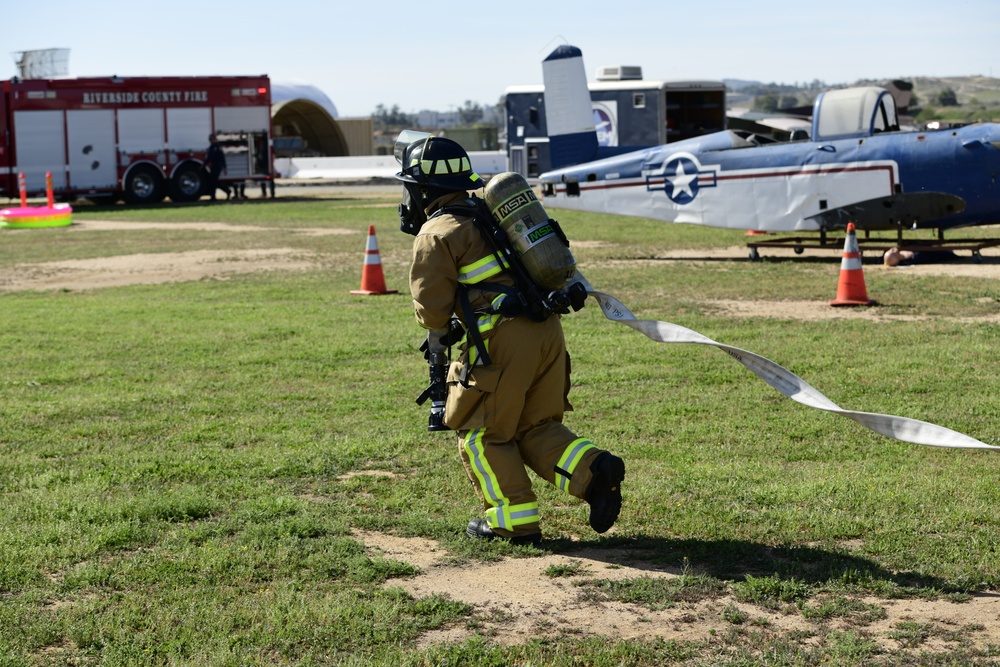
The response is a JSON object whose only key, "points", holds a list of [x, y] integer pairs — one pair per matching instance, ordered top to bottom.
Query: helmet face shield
{"points": [[405, 139], [435, 162]]}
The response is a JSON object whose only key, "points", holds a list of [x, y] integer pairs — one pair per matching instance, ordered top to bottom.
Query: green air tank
{"points": [[535, 237]]}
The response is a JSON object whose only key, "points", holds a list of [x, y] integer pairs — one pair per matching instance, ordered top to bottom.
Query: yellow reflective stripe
{"points": [[447, 166], [479, 271], [487, 322], [483, 325], [474, 352], [570, 460], [487, 480], [500, 513], [510, 516]]}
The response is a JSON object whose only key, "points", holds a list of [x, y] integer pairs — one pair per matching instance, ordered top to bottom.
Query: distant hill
{"points": [[985, 89], [978, 96]]}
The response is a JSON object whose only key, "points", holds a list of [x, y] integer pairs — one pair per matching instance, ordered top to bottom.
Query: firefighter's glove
{"points": [[577, 296], [558, 302], [509, 306], [455, 332], [436, 342]]}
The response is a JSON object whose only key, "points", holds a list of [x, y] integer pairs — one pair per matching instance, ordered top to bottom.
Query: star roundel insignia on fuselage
{"points": [[682, 178]]}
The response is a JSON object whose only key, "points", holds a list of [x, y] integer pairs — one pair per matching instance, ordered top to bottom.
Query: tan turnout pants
{"points": [[510, 417]]}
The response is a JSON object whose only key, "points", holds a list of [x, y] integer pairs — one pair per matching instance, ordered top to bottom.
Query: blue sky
{"points": [[437, 55]]}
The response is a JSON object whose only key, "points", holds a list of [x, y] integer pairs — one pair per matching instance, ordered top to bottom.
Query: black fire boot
{"points": [[604, 494], [480, 529]]}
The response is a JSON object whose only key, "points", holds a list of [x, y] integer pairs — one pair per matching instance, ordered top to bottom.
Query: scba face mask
{"points": [[411, 212]]}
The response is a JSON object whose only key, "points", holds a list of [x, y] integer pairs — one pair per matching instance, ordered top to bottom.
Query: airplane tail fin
{"points": [[569, 114]]}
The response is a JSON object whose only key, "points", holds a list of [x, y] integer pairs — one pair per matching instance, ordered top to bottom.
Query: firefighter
{"points": [[215, 164], [508, 409]]}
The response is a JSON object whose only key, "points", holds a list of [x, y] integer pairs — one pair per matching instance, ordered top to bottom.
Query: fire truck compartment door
{"points": [[242, 119], [235, 126], [188, 129], [141, 132], [91, 142], [37, 153]]}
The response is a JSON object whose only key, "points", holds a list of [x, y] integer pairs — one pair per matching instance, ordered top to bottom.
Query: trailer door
{"points": [[91, 143], [40, 147]]}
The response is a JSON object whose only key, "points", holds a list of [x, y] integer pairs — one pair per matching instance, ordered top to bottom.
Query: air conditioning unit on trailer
{"points": [[619, 73]]}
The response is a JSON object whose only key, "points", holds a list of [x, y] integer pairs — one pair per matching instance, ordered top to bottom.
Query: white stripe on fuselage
{"points": [[763, 199]]}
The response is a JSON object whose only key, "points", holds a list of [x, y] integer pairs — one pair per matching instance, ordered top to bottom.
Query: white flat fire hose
{"points": [[901, 428]]}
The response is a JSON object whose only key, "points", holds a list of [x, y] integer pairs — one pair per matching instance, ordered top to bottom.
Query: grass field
{"points": [[177, 459]]}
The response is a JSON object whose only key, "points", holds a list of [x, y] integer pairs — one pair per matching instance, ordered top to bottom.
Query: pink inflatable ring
{"points": [[29, 217]]}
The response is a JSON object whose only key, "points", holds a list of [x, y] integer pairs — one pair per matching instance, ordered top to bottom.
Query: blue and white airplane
{"points": [[856, 166]]}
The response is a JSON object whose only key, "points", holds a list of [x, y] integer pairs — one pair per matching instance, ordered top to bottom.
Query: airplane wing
{"points": [[907, 209]]}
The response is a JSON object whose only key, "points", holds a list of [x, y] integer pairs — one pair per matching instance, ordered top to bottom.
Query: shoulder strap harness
{"points": [[525, 298]]}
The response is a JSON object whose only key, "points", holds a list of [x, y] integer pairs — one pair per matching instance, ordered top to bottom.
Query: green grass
{"points": [[171, 456]]}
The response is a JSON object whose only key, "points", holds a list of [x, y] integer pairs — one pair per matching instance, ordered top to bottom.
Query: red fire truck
{"points": [[136, 138]]}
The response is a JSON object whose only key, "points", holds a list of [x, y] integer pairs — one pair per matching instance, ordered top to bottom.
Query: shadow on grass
{"points": [[735, 560]]}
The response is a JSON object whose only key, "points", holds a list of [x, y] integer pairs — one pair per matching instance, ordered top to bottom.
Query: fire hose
{"points": [[900, 428]]}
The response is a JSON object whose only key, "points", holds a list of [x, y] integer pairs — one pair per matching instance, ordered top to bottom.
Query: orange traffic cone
{"points": [[372, 278], [851, 289]]}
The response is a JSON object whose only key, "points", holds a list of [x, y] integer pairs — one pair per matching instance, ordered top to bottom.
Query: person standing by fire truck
{"points": [[215, 163]]}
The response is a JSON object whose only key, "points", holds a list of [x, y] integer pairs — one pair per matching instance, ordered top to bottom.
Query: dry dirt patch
{"points": [[108, 225], [988, 267], [158, 268], [149, 269], [818, 310], [516, 600]]}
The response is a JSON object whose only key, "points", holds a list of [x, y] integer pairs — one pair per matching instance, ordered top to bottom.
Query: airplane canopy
{"points": [[853, 112]]}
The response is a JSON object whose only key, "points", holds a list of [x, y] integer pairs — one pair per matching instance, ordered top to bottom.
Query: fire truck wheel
{"points": [[187, 183], [144, 185]]}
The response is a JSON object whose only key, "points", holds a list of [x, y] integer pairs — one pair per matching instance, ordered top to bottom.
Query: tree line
{"points": [[390, 118]]}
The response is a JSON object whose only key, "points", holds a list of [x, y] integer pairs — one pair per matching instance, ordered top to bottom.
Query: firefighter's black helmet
{"points": [[440, 163]]}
